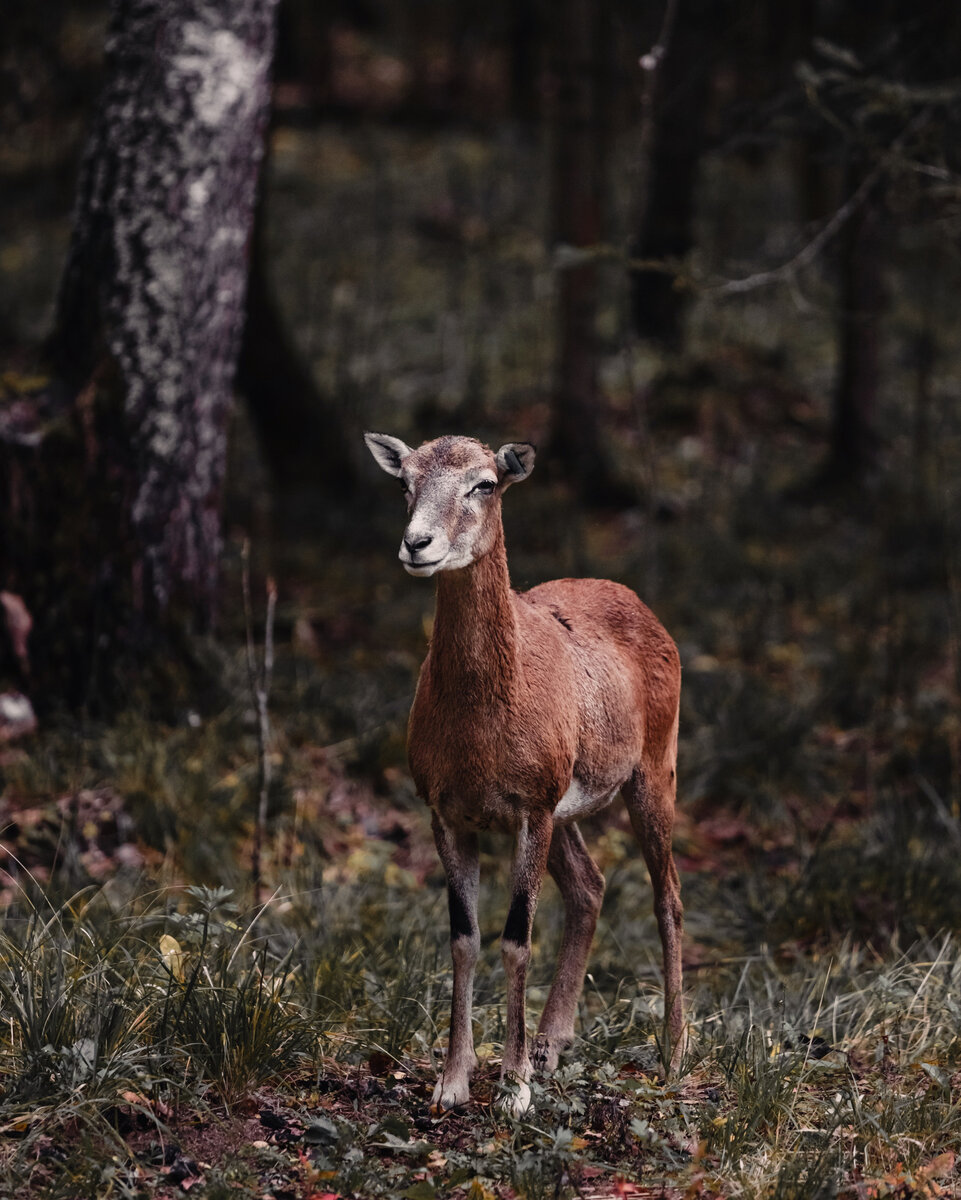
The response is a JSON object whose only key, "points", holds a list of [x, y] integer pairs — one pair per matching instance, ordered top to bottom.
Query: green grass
{"points": [[127, 1028]]}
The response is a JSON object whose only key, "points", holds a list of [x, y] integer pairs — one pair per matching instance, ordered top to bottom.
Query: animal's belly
{"points": [[576, 804], [473, 812]]}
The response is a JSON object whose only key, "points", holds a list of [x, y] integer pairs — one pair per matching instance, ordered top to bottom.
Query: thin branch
{"points": [[806, 255], [565, 257], [260, 690]]}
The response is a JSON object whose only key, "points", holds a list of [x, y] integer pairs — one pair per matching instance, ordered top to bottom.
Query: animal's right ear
{"points": [[389, 452], [515, 461]]}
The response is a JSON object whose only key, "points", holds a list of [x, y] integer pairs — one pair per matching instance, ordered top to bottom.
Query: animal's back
{"points": [[597, 609], [624, 652]]}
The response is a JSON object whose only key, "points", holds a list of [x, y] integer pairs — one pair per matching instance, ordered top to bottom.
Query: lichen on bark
{"points": [[156, 273]]}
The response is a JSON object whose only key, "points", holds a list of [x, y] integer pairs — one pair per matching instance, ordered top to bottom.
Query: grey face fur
{"points": [[453, 488]]}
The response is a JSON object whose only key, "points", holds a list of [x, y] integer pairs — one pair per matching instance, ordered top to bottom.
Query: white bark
{"points": [[156, 274]]}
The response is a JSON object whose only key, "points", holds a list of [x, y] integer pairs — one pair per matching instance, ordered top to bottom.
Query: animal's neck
{"points": [[475, 629]]}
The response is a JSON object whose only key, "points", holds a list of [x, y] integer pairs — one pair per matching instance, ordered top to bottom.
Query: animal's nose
{"points": [[417, 542]]}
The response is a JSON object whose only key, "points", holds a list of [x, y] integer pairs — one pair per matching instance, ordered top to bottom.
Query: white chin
{"points": [[422, 572]]}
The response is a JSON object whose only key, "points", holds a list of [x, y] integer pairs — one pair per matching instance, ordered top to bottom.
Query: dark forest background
{"points": [[706, 257]]}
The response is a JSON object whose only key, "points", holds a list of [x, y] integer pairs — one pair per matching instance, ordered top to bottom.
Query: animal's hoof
{"points": [[546, 1053], [448, 1094], [518, 1101]]}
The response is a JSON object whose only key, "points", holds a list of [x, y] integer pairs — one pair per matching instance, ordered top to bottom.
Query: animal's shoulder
{"points": [[597, 605]]}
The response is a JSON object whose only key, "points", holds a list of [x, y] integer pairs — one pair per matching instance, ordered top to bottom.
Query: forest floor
{"points": [[158, 1040]]}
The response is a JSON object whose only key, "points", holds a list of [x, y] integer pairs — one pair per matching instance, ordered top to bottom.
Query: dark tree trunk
{"points": [[524, 63], [581, 65], [666, 208], [862, 303], [147, 330], [299, 430]]}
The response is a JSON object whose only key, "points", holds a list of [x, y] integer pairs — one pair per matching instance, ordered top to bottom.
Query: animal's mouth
{"points": [[421, 568]]}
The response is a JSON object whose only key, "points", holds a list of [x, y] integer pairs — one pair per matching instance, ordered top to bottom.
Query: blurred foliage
{"points": [[157, 1026]]}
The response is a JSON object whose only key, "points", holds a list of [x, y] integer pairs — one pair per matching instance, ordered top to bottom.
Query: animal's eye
{"points": [[404, 486], [485, 487]]}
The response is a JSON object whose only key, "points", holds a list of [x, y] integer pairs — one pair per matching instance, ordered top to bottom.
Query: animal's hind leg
{"points": [[650, 796], [582, 887]]}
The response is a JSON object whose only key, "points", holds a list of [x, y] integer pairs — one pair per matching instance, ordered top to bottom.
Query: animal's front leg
{"points": [[458, 853], [530, 861]]}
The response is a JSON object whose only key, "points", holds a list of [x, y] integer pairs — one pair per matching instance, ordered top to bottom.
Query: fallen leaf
{"points": [[173, 956]]}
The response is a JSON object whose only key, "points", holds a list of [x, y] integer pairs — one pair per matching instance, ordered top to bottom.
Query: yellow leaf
{"points": [[21, 384], [398, 877], [173, 956], [18, 1126]]}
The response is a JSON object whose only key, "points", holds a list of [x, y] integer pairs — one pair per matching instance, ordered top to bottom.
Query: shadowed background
{"points": [[704, 255]]}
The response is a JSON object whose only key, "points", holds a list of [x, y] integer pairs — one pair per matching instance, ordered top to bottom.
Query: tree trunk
{"points": [[524, 62], [581, 64], [666, 209], [148, 324], [299, 429], [853, 434]]}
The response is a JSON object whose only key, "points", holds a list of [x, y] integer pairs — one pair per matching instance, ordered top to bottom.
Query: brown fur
{"points": [[521, 696]]}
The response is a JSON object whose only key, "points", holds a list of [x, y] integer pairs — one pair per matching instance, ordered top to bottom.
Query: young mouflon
{"points": [[532, 711]]}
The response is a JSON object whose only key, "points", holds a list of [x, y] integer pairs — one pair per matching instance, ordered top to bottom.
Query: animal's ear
{"points": [[389, 452], [515, 461]]}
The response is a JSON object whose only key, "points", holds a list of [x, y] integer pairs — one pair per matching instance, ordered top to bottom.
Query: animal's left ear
{"points": [[389, 452], [515, 461]]}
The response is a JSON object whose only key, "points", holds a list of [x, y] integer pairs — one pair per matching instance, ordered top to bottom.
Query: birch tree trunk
{"points": [[156, 272], [114, 490]]}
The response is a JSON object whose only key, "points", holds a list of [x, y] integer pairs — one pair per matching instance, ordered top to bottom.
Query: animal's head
{"points": [[453, 487]]}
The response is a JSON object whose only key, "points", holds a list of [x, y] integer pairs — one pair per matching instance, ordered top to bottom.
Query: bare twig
{"points": [[892, 160], [805, 256], [788, 271], [260, 690]]}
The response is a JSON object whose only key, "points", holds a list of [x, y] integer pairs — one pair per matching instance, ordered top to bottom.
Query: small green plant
{"points": [[405, 991], [764, 1080]]}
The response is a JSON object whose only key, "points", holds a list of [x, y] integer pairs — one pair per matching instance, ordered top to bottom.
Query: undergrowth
{"points": [[127, 1025]]}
